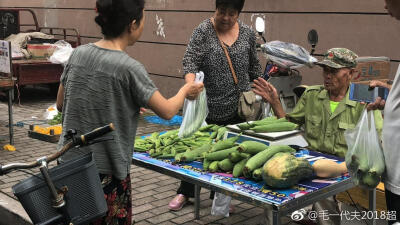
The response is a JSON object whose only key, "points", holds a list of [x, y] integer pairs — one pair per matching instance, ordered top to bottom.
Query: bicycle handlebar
{"points": [[86, 138], [81, 141]]}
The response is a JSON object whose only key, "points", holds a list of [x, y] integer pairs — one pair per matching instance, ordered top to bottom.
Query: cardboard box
{"points": [[40, 50], [372, 68], [360, 197]]}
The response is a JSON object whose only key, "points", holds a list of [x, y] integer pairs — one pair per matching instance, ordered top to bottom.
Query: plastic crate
{"points": [[84, 199]]}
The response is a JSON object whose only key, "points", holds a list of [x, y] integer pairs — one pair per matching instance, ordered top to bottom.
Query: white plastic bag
{"points": [[62, 53], [288, 55], [267, 110], [51, 112], [194, 112], [364, 158], [220, 206]]}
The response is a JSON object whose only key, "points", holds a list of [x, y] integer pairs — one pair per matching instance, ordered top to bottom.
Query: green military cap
{"points": [[339, 58]]}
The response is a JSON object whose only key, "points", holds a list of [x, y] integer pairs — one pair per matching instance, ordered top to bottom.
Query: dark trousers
{"points": [[187, 189], [393, 205]]}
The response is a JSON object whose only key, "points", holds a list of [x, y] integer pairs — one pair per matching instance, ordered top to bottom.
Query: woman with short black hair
{"points": [[205, 52], [102, 84]]}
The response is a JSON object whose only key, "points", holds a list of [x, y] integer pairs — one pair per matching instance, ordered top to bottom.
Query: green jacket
{"points": [[324, 130]]}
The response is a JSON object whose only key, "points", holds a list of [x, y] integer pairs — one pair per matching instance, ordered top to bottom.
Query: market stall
{"points": [[32, 46], [280, 201]]}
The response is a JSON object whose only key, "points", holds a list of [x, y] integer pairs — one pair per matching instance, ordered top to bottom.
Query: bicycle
{"points": [[74, 194]]}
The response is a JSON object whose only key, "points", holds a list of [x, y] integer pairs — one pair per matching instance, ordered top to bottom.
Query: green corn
{"points": [[275, 127], [220, 133], [224, 144], [252, 147], [222, 154], [235, 156], [260, 158], [206, 164], [225, 165], [213, 167], [238, 168], [257, 174]]}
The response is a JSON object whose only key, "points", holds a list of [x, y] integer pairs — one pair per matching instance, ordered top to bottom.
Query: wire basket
{"points": [[84, 199]]}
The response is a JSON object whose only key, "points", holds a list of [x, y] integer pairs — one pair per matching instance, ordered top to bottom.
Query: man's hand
{"points": [[378, 83], [266, 90], [269, 94], [379, 102]]}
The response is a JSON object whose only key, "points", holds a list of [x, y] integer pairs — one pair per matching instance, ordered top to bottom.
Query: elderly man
{"points": [[325, 111]]}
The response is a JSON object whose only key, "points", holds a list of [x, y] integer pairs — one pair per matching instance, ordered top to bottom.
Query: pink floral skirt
{"points": [[119, 201]]}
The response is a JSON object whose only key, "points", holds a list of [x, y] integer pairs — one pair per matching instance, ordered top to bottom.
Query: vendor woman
{"points": [[325, 110]]}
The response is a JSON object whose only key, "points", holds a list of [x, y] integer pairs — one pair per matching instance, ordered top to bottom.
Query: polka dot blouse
{"points": [[205, 53]]}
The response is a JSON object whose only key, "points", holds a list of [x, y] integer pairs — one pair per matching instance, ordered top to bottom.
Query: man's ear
{"points": [[134, 25], [352, 73]]}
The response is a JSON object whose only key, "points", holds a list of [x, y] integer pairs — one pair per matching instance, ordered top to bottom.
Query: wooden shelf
{"points": [[6, 82]]}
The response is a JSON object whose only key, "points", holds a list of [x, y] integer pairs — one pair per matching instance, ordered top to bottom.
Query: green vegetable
{"points": [[56, 119], [265, 121], [244, 126], [215, 127], [275, 127], [206, 128], [220, 133], [213, 135], [224, 144], [252, 147], [220, 155], [165, 156], [190, 156], [235, 156], [178, 157], [260, 158], [206, 164], [225, 165], [213, 167], [238, 168], [284, 170], [257, 174], [370, 179]]}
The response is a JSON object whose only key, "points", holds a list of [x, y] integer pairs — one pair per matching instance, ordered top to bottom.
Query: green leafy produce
{"points": [[56, 119]]}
